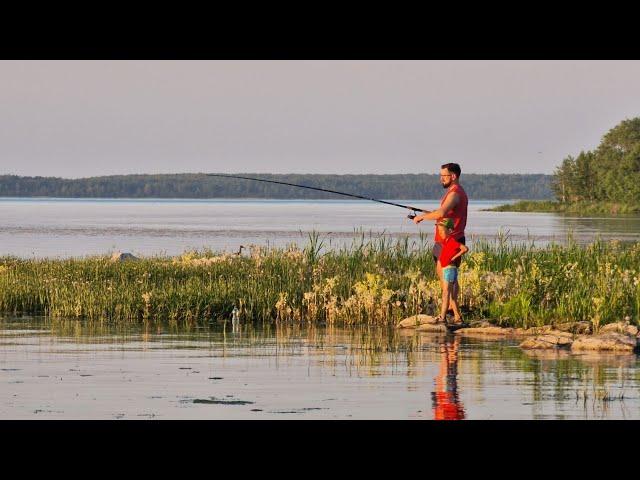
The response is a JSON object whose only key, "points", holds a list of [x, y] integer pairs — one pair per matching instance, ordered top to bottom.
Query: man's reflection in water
{"points": [[446, 405]]}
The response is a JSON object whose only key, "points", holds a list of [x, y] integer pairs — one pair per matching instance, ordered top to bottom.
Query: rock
{"points": [[122, 257], [415, 321], [480, 323], [564, 326], [617, 327], [620, 327], [432, 328], [580, 328], [583, 328], [493, 330], [533, 330], [553, 339], [610, 341]]}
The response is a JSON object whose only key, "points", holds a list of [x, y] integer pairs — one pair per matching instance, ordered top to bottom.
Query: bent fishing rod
{"points": [[415, 209]]}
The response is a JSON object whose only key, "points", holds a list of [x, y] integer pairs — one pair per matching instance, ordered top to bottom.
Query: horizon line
{"points": [[256, 173]]}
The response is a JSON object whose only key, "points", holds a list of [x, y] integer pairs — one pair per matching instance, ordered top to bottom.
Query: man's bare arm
{"points": [[450, 202]]}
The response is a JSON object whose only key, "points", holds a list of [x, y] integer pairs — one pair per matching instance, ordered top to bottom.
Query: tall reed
{"points": [[373, 281]]}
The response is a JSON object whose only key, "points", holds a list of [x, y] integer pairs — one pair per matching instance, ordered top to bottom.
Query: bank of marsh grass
{"points": [[374, 281]]}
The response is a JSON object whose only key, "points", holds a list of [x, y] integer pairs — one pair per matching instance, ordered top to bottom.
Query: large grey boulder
{"points": [[122, 257]]}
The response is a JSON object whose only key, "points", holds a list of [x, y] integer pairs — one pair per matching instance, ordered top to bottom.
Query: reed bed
{"points": [[374, 281]]}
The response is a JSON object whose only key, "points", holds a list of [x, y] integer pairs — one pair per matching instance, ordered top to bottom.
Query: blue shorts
{"points": [[450, 273]]}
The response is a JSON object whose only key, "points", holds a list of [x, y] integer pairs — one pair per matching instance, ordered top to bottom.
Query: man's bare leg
{"points": [[442, 282]]}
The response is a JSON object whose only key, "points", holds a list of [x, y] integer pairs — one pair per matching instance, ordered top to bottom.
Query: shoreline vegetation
{"points": [[603, 181], [420, 186], [577, 208], [374, 281]]}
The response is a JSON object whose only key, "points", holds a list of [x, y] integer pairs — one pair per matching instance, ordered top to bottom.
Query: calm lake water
{"points": [[78, 227], [70, 370], [74, 370]]}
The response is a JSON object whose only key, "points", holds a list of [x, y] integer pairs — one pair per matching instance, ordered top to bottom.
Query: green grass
{"points": [[371, 282]]}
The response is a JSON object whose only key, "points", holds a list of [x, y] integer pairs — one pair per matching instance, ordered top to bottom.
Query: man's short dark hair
{"points": [[453, 168]]}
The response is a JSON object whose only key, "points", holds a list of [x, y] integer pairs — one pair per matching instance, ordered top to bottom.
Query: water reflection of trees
{"points": [[619, 226], [589, 382], [554, 383]]}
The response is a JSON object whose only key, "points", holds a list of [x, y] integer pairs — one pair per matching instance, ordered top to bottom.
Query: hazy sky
{"points": [[85, 118]]}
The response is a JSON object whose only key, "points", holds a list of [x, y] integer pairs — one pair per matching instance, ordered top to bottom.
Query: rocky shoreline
{"points": [[619, 337]]}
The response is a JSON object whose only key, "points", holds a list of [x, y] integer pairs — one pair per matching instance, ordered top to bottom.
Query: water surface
{"points": [[32, 227], [71, 370]]}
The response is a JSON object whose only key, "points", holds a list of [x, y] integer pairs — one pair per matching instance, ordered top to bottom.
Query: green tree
{"points": [[610, 173]]}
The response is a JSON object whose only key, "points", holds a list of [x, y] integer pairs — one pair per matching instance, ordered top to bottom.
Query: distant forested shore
{"points": [[605, 180], [397, 186], [577, 208]]}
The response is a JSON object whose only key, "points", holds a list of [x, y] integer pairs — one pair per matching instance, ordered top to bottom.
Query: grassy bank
{"points": [[580, 208], [371, 282]]}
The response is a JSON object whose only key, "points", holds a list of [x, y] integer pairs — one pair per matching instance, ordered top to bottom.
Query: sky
{"points": [[77, 119]]}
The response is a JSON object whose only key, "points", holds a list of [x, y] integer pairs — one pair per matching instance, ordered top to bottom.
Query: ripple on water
{"points": [[480, 379]]}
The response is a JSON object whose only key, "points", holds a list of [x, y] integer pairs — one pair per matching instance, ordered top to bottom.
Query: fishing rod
{"points": [[415, 209]]}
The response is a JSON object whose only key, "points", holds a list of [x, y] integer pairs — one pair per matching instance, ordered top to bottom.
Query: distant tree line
{"points": [[610, 173], [400, 186]]}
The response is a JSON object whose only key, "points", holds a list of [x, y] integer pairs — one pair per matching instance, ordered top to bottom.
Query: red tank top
{"points": [[458, 213]]}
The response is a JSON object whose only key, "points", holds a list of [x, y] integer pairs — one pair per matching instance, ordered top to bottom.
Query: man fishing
{"points": [[452, 205]]}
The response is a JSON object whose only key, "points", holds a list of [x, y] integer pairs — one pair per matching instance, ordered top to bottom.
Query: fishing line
{"points": [[415, 209]]}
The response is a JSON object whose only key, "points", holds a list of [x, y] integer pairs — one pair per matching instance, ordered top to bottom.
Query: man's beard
{"points": [[446, 185]]}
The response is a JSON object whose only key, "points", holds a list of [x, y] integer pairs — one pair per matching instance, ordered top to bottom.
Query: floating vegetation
{"points": [[374, 281], [599, 395], [218, 401]]}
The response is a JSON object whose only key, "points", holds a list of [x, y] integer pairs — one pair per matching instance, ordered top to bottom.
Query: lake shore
{"points": [[579, 208], [378, 282], [618, 337]]}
